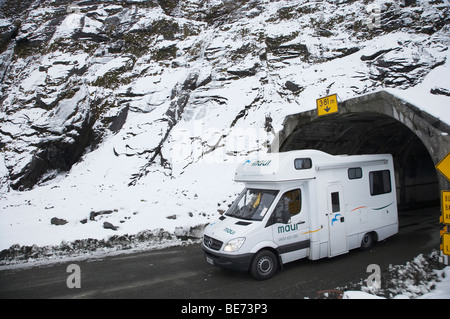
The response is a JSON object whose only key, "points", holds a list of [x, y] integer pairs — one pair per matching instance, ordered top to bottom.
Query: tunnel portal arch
{"points": [[373, 124]]}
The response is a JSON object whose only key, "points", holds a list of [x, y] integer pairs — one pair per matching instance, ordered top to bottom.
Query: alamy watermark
{"points": [[73, 8], [374, 10], [74, 16], [374, 19], [209, 145], [74, 279], [374, 279]]}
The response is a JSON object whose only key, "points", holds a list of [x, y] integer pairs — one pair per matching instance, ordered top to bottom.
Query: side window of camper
{"points": [[302, 163], [354, 173], [380, 182], [335, 203], [290, 204]]}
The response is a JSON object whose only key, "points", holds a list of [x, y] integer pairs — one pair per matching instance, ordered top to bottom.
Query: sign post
{"points": [[327, 105], [444, 168], [446, 244]]}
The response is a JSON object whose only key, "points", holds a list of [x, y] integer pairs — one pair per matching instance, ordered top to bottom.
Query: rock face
{"points": [[71, 75], [58, 221], [108, 225]]}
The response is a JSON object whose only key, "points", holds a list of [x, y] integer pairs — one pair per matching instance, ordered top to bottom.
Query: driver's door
{"points": [[290, 227]]}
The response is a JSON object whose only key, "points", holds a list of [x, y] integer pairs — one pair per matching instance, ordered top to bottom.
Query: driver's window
{"points": [[289, 205]]}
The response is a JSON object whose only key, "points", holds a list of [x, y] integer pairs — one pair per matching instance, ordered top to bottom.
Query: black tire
{"points": [[367, 241], [264, 265]]}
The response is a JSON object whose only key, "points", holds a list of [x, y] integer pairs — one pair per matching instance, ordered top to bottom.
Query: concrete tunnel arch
{"points": [[373, 124]]}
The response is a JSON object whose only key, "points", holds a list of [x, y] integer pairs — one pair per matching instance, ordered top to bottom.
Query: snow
{"points": [[4, 23], [68, 26], [112, 65], [34, 80], [419, 95], [203, 147], [147, 205], [418, 281], [442, 288], [359, 295]]}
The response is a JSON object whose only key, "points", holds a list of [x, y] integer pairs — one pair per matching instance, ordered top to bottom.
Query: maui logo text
{"points": [[258, 163], [287, 228]]}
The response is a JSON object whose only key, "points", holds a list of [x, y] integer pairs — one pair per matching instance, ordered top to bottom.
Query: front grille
{"points": [[212, 243]]}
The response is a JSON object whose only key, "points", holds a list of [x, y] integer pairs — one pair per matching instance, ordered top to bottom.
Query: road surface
{"points": [[181, 272]]}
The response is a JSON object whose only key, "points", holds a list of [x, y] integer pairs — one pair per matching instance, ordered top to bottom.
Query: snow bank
{"points": [[422, 278]]}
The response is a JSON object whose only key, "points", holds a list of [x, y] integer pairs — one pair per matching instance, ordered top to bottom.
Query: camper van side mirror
{"points": [[279, 216], [283, 218], [275, 219]]}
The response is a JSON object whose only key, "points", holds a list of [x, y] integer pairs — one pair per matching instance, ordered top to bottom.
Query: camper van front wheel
{"points": [[367, 241], [264, 265]]}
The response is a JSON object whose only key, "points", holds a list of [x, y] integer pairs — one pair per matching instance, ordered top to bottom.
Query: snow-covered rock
{"points": [[144, 108]]}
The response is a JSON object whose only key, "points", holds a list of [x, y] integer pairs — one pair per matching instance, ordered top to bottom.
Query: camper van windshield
{"points": [[252, 204]]}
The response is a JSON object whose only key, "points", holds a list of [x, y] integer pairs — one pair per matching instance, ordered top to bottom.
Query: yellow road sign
{"points": [[327, 105], [444, 166], [445, 207], [446, 243]]}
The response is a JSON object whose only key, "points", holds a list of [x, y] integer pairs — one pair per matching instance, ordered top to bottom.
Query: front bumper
{"points": [[235, 262]]}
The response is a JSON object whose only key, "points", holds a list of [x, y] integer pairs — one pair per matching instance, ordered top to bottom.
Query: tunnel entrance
{"points": [[374, 124], [416, 178]]}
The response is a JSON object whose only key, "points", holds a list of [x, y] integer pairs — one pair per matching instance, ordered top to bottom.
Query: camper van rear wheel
{"points": [[367, 241], [264, 265]]}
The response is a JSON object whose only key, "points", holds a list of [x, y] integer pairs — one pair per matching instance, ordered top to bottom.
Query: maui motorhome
{"points": [[303, 204]]}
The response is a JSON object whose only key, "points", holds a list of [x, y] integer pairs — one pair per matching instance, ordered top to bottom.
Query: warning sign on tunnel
{"points": [[327, 105], [444, 166]]}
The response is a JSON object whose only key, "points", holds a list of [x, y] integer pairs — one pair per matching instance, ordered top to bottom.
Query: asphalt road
{"points": [[182, 272]]}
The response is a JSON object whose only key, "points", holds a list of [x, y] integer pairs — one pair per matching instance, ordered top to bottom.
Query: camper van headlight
{"points": [[234, 244]]}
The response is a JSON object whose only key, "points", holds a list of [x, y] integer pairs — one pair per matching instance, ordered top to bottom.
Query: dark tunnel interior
{"points": [[374, 133]]}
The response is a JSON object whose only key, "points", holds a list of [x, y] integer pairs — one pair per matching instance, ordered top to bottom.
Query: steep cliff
{"points": [[145, 107]]}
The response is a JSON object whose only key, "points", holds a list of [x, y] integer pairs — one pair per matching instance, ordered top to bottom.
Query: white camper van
{"points": [[303, 204]]}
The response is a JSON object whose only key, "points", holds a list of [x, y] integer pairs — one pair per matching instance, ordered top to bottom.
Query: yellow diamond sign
{"points": [[327, 105], [444, 166]]}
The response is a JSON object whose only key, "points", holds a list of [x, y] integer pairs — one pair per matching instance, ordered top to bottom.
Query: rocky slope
{"points": [[132, 98]]}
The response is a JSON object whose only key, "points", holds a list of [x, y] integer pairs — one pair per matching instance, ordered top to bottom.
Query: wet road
{"points": [[181, 272]]}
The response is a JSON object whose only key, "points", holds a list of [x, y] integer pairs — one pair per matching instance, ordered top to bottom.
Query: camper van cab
{"points": [[303, 204]]}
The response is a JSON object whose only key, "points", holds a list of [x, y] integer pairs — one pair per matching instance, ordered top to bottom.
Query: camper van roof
{"points": [[300, 164]]}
